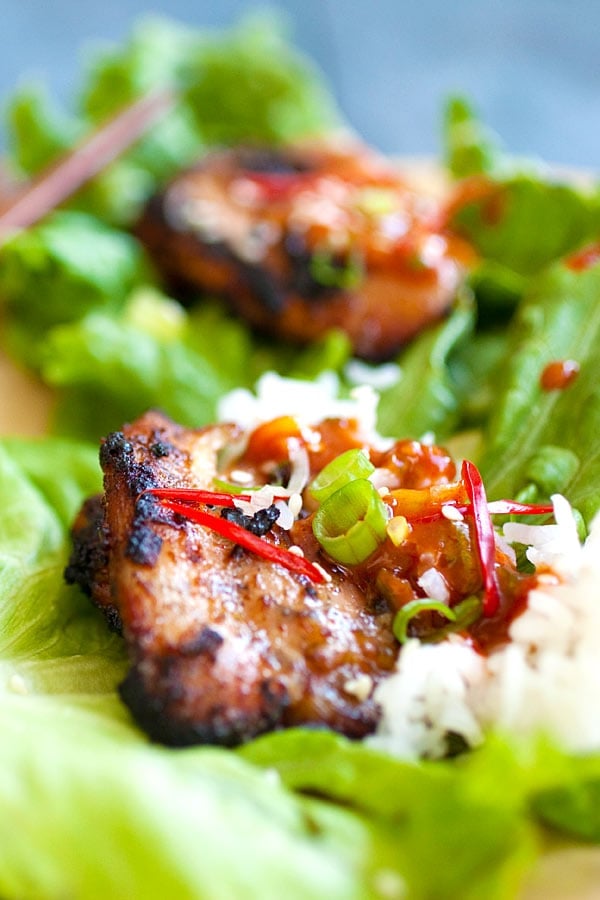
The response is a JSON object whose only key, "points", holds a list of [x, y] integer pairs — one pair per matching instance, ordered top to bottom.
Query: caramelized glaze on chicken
{"points": [[305, 239], [224, 645]]}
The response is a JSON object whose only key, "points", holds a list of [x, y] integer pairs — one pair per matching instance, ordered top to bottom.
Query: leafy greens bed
{"points": [[89, 808]]}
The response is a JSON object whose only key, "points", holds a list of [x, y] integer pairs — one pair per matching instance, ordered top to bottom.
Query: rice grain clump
{"points": [[306, 401], [547, 679], [446, 695]]}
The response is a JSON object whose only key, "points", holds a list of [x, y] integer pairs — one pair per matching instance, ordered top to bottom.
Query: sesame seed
{"points": [[245, 192], [239, 476], [295, 505], [452, 513], [296, 550], [323, 572], [547, 578], [359, 687]]}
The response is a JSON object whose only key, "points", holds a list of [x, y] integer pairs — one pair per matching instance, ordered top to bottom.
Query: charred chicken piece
{"points": [[304, 239], [223, 644]]}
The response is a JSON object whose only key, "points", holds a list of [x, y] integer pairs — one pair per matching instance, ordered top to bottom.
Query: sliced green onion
{"points": [[335, 271], [344, 468], [229, 488], [351, 524], [412, 609], [467, 612], [460, 617]]}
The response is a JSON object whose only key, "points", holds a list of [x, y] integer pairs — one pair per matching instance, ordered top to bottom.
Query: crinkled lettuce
{"points": [[250, 85], [470, 147], [532, 216], [528, 222], [66, 267], [109, 368], [427, 397], [538, 442], [90, 809], [438, 811], [305, 814]]}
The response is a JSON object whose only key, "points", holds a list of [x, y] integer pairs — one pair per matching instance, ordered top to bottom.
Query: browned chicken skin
{"points": [[305, 239], [224, 645]]}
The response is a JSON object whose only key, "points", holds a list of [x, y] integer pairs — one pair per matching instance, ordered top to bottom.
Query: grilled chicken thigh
{"points": [[309, 238], [223, 644]]}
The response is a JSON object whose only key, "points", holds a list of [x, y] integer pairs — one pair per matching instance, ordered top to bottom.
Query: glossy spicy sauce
{"points": [[559, 374], [437, 554]]}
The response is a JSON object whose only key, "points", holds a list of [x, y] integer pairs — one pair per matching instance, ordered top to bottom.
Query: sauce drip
{"points": [[584, 259], [559, 374], [438, 554]]}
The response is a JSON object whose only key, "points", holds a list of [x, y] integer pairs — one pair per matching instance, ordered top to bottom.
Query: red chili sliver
{"points": [[196, 495], [246, 539], [485, 539]]}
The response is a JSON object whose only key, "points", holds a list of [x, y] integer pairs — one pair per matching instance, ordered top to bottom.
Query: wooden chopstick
{"points": [[62, 179]]}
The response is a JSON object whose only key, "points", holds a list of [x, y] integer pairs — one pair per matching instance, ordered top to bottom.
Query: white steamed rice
{"points": [[546, 679]]}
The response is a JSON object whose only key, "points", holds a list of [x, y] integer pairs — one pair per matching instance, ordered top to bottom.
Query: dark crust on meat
{"points": [[175, 250], [277, 288], [88, 562], [223, 645], [225, 725]]}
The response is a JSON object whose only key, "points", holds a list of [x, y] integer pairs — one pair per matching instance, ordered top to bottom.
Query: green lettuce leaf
{"points": [[157, 55], [153, 57], [250, 85], [38, 130], [470, 148], [531, 216], [529, 221], [61, 270], [559, 320], [473, 367], [109, 368], [120, 371], [426, 398], [43, 624], [571, 804], [90, 809], [438, 812], [121, 819]]}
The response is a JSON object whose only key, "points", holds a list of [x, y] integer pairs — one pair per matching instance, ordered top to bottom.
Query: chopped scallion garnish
{"points": [[346, 467], [351, 524], [414, 608]]}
